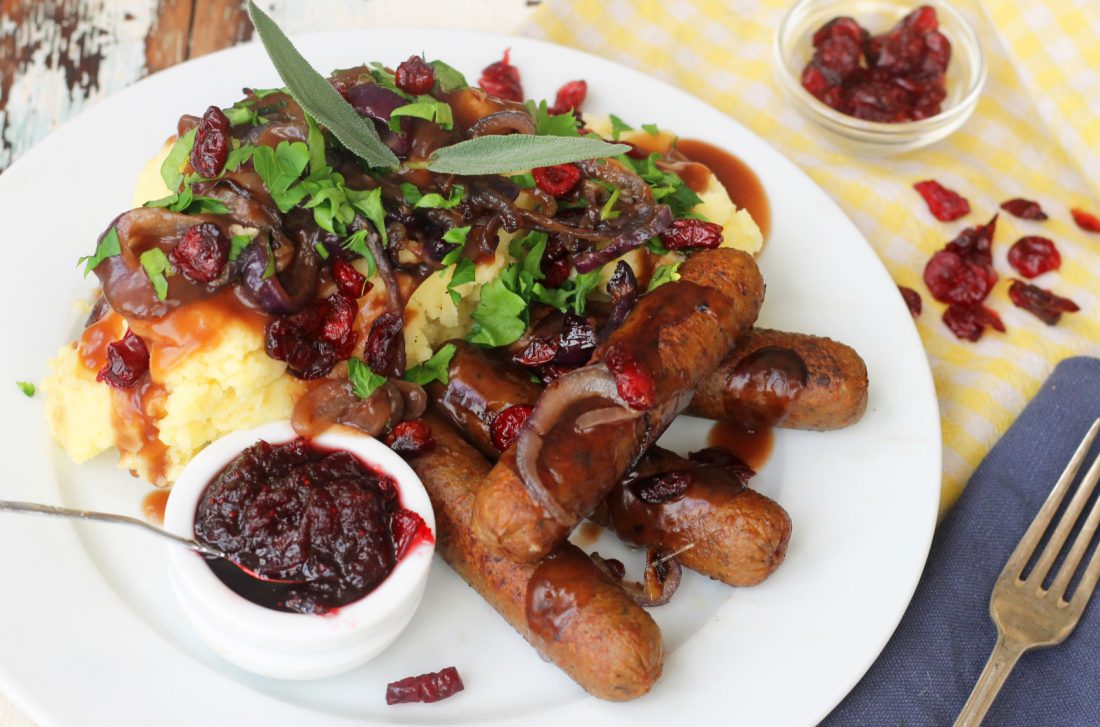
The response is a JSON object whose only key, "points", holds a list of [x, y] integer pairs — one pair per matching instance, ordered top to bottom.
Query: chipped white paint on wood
{"points": [[108, 37]]}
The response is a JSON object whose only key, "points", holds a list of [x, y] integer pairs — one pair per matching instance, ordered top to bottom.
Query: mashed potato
{"points": [[229, 383]]}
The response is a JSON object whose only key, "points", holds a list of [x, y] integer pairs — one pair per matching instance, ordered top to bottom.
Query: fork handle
{"points": [[1005, 655]]}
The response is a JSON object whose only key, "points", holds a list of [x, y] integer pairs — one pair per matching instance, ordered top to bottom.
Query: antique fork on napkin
{"points": [[1026, 614]]}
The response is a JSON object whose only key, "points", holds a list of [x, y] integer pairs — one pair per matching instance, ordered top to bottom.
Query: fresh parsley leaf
{"points": [[447, 77], [385, 78], [260, 93], [425, 107], [243, 113], [547, 124], [618, 126], [651, 129], [315, 140], [238, 156], [171, 169], [280, 169], [523, 181], [667, 187], [432, 200], [682, 201], [187, 203], [370, 204], [608, 211], [455, 236], [237, 244], [357, 244], [108, 246], [654, 246], [322, 251], [532, 262], [157, 268], [269, 268], [464, 272], [663, 274], [584, 284], [557, 297], [500, 316], [434, 369], [364, 382], [28, 388]]}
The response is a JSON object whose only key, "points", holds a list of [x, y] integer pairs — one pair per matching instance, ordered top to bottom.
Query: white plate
{"points": [[91, 635]]}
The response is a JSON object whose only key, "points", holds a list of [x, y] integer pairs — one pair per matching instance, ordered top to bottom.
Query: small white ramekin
{"points": [[293, 645]]}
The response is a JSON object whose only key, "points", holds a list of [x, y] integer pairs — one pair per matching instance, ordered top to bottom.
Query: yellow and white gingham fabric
{"points": [[1035, 134]]}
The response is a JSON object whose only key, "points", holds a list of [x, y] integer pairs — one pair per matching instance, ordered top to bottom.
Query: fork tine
{"points": [[1065, 524], [1034, 533], [1084, 537], [1087, 585]]}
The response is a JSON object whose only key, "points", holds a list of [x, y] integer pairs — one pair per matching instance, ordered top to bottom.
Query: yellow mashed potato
{"points": [[230, 383]]}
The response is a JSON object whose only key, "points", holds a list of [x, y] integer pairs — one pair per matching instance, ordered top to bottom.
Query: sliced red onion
{"points": [[377, 103], [511, 121], [651, 226], [623, 288], [270, 293], [414, 396], [607, 415], [663, 574]]}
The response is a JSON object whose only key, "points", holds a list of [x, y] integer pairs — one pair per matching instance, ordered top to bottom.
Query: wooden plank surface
{"points": [[57, 57]]}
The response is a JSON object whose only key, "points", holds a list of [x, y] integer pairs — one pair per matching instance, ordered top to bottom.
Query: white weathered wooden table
{"points": [[57, 57]]}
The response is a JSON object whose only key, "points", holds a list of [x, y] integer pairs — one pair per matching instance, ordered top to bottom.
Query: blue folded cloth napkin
{"points": [[926, 672]]}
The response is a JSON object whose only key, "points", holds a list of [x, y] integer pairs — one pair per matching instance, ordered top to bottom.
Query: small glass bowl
{"points": [[966, 73]]}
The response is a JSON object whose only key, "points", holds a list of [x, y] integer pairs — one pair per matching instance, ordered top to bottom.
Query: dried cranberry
{"points": [[839, 28], [414, 76], [501, 79], [569, 97], [211, 147], [558, 179], [944, 204], [1025, 209], [1086, 220], [692, 234], [976, 243], [201, 253], [1033, 256], [555, 265], [951, 278], [349, 281], [912, 300], [1043, 304], [968, 322], [315, 339], [576, 342], [384, 343], [538, 351], [127, 362], [634, 383], [507, 424], [411, 437], [722, 457], [661, 488], [407, 527], [425, 688]]}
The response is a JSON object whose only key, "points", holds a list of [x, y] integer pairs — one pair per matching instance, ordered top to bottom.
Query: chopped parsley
{"points": [[447, 77], [385, 78], [425, 107], [243, 113], [547, 124], [618, 126], [651, 129], [172, 166], [280, 168], [523, 181], [667, 186], [432, 200], [186, 202], [370, 204], [455, 236], [357, 243], [237, 244], [108, 246], [322, 251], [157, 268], [464, 272], [663, 274], [500, 317], [434, 369], [364, 382], [28, 388]]}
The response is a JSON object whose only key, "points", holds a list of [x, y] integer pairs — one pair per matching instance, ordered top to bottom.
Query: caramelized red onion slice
{"points": [[377, 103], [512, 121], [655, 222], [623, 288], [270, 293], [586, 383], [415, 399], [334, 402], [607, 415], [663, 574]]}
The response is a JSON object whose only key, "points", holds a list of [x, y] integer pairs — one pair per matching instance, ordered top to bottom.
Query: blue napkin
{"points": [[926, 672]]}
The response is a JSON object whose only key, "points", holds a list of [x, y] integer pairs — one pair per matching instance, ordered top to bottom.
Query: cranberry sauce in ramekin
{"points": [[320, 528]]}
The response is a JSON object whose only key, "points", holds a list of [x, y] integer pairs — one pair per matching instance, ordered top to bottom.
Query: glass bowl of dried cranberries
{"points": [[880, 76]]}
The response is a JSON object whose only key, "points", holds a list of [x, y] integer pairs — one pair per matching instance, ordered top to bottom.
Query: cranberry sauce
{"points": [[295, 512]]}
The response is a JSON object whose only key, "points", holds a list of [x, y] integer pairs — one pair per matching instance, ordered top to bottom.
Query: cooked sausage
{"points": [[676, 334], [759, 386], [704, 513], [730, 533], [566, 607]]}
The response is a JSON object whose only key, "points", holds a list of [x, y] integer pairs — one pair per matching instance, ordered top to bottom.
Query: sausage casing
{"points": [[604, 641]]}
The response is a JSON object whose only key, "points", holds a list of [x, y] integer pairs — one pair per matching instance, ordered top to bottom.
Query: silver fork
{"points": [[1027, 615]]}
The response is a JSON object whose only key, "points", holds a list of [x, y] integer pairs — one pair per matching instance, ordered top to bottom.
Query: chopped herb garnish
{"points": [[447, 77], [385, 78], [425, 107], [242, 112], [547, 124], [618, 126], [651, 129], [315, 140], [238, 155], [171, 169], [280, 169], [523, 181], [667, 187], [432, 200], [187, 203], [370, 204], [608, 211], [455, 236], [237, 244], [357, 244], [654, 246], [107, 247], [322, 251], [157, 268], [269, 268], [464, 272], [663, 274], [584, 284], [500, 317], [434, 369], [364, 382], [28, 388]]}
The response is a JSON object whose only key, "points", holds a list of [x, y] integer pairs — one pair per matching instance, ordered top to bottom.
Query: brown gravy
{"points": [[738, 178], [752, 447], [153, 505]]}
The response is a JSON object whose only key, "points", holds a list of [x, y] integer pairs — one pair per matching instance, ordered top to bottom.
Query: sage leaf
{"points": [[317, 96], [517, 153]]}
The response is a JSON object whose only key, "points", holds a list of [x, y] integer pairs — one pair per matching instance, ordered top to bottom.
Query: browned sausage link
{"points": [[678, 333], [831, 394], [718, 527], [731, 533], [605, 642]]}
